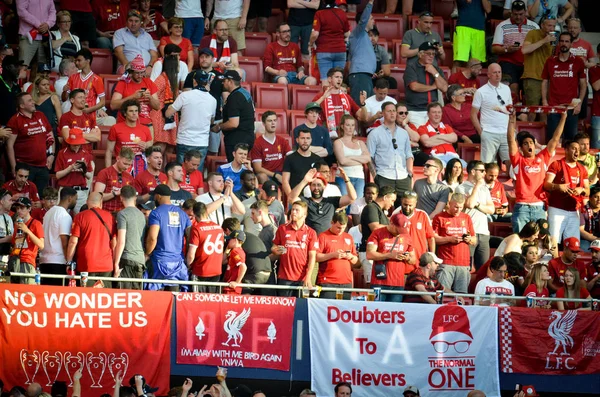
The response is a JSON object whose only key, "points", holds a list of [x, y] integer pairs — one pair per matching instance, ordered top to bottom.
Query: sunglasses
{"points": [[500, 99], [403, 113], [394, 143], [430, 166], [479, 169], [120, 179], [157, 179], [409, 193]]}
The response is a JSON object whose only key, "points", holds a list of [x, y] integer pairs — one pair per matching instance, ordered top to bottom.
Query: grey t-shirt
{"points": [[414, 38], [430, 195], [276, 212], [133, 221]]}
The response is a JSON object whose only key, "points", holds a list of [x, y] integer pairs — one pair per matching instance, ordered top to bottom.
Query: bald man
{"points": [[490, 123], [95, 229], [34, 390], [476, 393]]}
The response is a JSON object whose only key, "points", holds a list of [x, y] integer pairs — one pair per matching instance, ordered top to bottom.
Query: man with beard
{"points": [[283, 60], [468, 78], [586, 158], [299, 162], [174, 173], [193, 179], [110, 180], [147, 180], [248, 186], [21, 187], [220, 200], [356, 208], [57, 229], [593, 270]]}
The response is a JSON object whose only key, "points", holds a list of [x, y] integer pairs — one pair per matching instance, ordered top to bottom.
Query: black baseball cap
{"points": [[518, 5], [426, 45], [206, 51], [232, 75], [202, 77], [270, 188], [163, 190], [23, 201], [148, 205]]}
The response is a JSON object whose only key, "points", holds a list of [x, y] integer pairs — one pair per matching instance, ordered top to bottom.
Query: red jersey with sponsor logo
{"points": [[76, 5], [109, 15], [330, 22], [152, 26], [280, 57], [594, 74], [563, 78], [464, 82], [92, 84], [127, 89], [334, 107], [85, 121], [429, 130], [34, 136], [126, 136], [270, 154], [65, 158], [530, 174], [578, 174], [111, 178], [192, 181], [145, 182], [28, 190], [498, 194], [38, 214], [446, 225], [420, 231], [208, 237], [384, 241], [29, 250], [93, 250], [237, 257], [294, 263], [557, 268], [335, 271], [532, 290], [583, 294]]}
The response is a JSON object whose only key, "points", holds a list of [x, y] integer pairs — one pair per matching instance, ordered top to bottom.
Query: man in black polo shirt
{"points": [[422, 80], [9, 87], [238, 114], [297, 164], [374, 215]]}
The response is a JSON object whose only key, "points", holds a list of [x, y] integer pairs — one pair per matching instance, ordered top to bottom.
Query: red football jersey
{"points": [[127, 89], [86, 121], [126, 136], [270, 154], [530, 174], [145, 182], [446, 225], [208, 237], [384, 241], [237, 257], [294, 263], [335, 271]]}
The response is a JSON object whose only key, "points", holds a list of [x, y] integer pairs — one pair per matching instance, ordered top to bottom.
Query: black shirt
{"points": [[301, 16], [216, 89], [7, 99], [418, 101], [239, 104], [298, 165], [178, 197], [371, 213], [320, 214], [257, 254]]}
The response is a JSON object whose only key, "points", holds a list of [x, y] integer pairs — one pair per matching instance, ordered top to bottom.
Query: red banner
{"points": [[235, 330], [48, 333], [549, 342]]}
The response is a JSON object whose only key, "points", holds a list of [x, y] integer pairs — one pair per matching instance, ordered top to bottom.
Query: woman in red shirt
{"points": [[175, 36], [457, 114], [536, 285], [573, 289]]}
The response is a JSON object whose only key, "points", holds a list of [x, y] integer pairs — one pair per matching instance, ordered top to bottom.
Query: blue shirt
{"points": [[550, 10], [471, 15], [132, 45], [362, 54], [319, 135], [390, 163], [228, 172], [173, 222]]}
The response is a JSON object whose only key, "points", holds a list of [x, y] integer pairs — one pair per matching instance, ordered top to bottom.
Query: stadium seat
{"points": [[442, 8], [277, 16], [493, 25], [390, 26], [436, 26], [383, 42], [256, 44], [449, 50], [396, 52], [103, 61], [253, 67], [447, 72], [398, 74], [483, 77], [110, 80], [247, 87], [270, 95], [301, 95], [296, 117], [282, 120], [536, 128], [104, 130], [469, 151], [98, 160], [213, 162], [500, 229]]}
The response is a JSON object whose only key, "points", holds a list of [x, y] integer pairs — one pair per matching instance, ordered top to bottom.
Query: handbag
{"points": [[381, 267]]}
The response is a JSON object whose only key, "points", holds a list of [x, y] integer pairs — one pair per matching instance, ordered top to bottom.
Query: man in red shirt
{"points": [[110, 15], [153, 21], [283, 60], [468, 78], [563, 80], [139, 88], [335, 103], [77, 117], [129, 133], [436, 137], [31, 141], [269, 151], [75, 166], [529, 169], [492, 170], [110, 180], [147, 180], [193, 181], [568, 184], [21, 187], [49, 199], [455, 233], [28, 239], [93, 239], [296, 246], [390, 248], [205, 253], [336, 257], [568, 258], [423, 279]]}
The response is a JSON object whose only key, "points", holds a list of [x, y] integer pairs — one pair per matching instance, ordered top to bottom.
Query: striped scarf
{"points": [[225, 54]]}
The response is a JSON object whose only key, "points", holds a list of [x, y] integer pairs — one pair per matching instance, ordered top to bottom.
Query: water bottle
{"points": [[19, 231], [38, 277]]}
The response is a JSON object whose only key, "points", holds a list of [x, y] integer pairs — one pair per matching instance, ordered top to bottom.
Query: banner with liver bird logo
{"points": [[235, 330], [549, 342]]}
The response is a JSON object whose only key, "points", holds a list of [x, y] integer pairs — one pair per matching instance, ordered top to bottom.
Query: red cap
{"points": [[137, 64], [75, 137], [320, 176], [399, 220], [572, 243], [529, 389]]}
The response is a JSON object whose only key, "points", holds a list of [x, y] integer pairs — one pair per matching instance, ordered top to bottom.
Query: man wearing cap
{"points": [[35, 20], [413, 38], [133, 40], [508, 42], [283, 61], [11, 67], [157, 68], [422, 80], [198, 109], [238, 114], [76, 117], [31, 141], [321, 144], [269, 151], [75, 166], [110, 180], [146, 181], [193, 181], [21, 187], [220, 200], [275, 210], [168, 224], [454, 234], [28, 239], [93, 240], [390, 248], [568, 258], [593, 270], [423, 279], [411, 391]]}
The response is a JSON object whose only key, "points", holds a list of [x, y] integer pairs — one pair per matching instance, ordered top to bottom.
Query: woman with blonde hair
{"points": [[175, 26], [64, 43], [46, 101], [351, 154], [536, 285], [573, 289]]}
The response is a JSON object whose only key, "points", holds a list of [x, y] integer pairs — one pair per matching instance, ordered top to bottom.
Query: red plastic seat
{"points": [[277, 16], [493, 25], [390, 26], [436, 26], [256, 44], [449, 50], [397, 52], [103, 61], [253, 67], [446, 71], [398, 74], [483, 77], [110, 80], [270, 95], [301, 95], [296, 118], [282, 120], [536, 128], [104, 130], [469, 151]]}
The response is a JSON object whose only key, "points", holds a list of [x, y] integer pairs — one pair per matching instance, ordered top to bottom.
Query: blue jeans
{"points": [[193, 29], [301, 34], [104, 42], [328, 60], [292, 78], [595, 138], [181, 150], [358, 183], [524, 213], [391, 297]]}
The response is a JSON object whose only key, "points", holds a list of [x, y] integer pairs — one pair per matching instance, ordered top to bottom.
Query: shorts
{"points": [[259, 8], [83, 25], [238, 35], [469, 43], [29, 50], [514, 71], [292, 78], [532, 89]]}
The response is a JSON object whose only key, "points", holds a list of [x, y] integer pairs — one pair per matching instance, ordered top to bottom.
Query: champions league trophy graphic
{"points": [[73, 362], [30, 364], [116, 364], [52, 366], [96, 367]]}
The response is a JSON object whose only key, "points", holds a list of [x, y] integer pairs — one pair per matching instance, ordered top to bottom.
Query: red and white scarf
{"points": [[225, 54]]}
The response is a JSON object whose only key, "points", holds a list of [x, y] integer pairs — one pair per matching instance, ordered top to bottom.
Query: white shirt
{"points": [[188, 9], [228, 9], [158, 68], [486, 100], [374, 106], [198, 109], [331, 190], [357, 206], [221, 213], [57, 222], [480, 222], [6, 225], [487, 287]]}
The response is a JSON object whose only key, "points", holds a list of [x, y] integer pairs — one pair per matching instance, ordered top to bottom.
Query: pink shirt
{"points": [[33, 13]]}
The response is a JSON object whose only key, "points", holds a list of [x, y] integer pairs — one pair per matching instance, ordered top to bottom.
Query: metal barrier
{"points": [[301, 290]]}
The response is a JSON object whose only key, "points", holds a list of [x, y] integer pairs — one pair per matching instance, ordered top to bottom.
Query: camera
{"points": [[435, 44]]}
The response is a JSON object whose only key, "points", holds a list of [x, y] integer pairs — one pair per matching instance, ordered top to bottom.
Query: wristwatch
{"points": [[435, 76]]}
